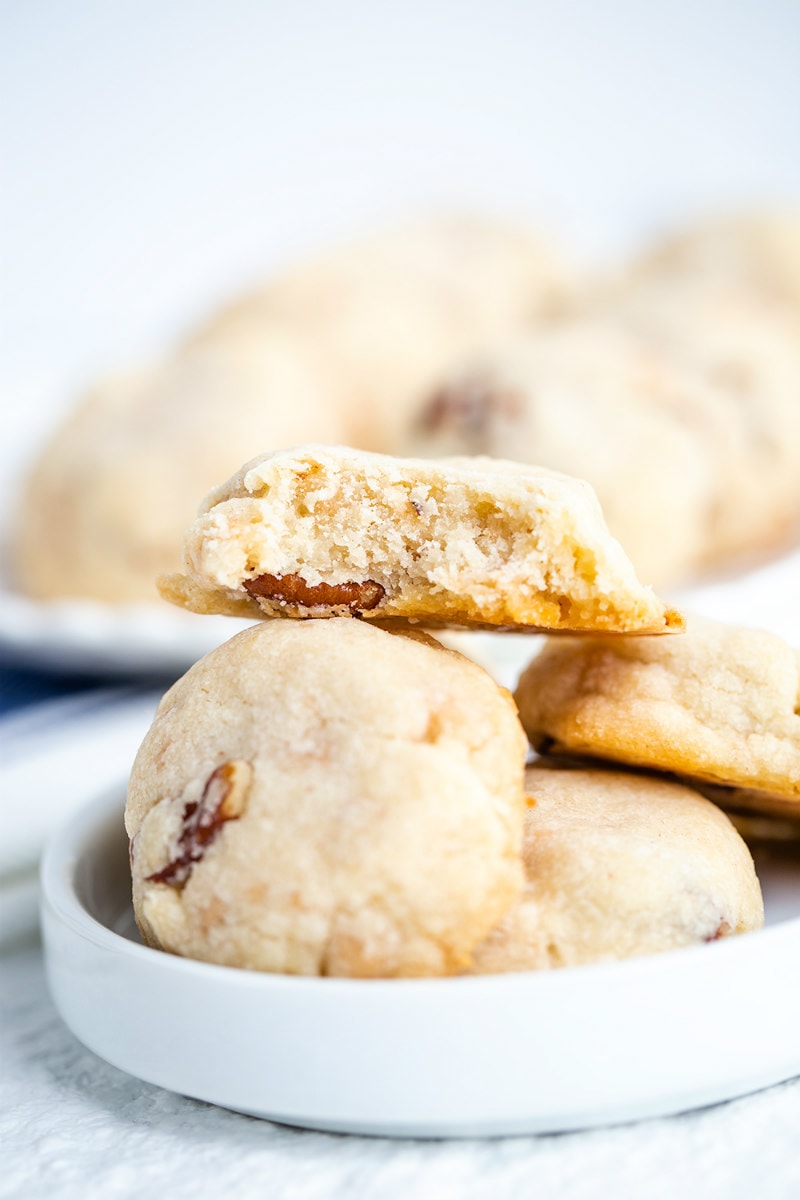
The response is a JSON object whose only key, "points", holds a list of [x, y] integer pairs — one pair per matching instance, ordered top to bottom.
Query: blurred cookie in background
{"points": [[758, 252], [717, 306], [395, 311], [338, 350], [591, 399], [104, 510]]}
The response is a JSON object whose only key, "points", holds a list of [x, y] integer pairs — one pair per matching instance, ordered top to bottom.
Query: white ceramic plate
{"points": [[92, 638], [506, 1054]]}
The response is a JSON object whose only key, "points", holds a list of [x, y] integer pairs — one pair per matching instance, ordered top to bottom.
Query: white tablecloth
{"points": [[72, 1126]]}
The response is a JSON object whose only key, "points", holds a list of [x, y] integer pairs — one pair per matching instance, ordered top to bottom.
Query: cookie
{"points": [[757, 251], [394, 311], [337, 350], [747, 352], [594, 400], [104, 510], [329, 531], [718, 706], [328, 798], [617, 865]]}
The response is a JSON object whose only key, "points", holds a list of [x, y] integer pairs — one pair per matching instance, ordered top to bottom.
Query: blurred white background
{"points": [[157, 155]]}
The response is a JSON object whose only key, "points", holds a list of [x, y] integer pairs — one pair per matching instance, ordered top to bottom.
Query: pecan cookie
{"points": [[757, 251], [394, 311], [337, 349], [745, 350], [593, 400], [103, 511], [326, 531], [718, 706], [328, 798], [619, 864]]}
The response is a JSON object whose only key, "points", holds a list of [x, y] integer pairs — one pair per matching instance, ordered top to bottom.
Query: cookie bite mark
{"points": [[476, 543], [292, 591], [223, 799]]}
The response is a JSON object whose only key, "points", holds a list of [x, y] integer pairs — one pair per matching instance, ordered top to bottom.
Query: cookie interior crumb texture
{"points": [[323, 531], [328, 798]]}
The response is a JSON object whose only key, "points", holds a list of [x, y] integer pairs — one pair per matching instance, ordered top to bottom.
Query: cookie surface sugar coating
{"points": [[323, 531], [718, 705], [328, 798], [619, 864]]}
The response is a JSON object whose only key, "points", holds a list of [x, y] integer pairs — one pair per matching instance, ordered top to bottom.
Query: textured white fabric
{"points": [[72, 1126]]}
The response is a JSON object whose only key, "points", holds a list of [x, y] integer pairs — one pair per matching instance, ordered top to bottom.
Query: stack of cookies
{"points": [[333, 792]]}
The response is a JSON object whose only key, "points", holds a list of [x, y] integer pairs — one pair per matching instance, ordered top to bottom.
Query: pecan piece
{"points": [[470, 408], [293, 589], [222, 800], [722, 930]]}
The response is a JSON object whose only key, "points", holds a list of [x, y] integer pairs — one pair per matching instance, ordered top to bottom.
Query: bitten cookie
{"points": [[326, 531], [718, 706], [328, 798], [617, 865]]}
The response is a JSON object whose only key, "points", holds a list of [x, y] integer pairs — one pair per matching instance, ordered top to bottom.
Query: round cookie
{"points": [[757, 251], [395, 311], [747, 352], [593, 400], [104, 509], [718, 705], [328, 798], [617, 865]]}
